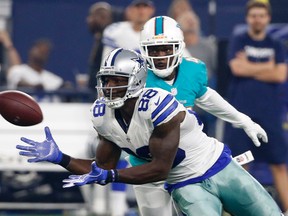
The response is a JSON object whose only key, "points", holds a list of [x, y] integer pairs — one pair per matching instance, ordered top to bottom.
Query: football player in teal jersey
{"points": [[162, 45]]}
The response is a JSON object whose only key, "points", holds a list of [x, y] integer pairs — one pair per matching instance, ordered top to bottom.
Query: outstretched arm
{"points": [[213, 103], [163, 145], [49, 151], [107, 153]]}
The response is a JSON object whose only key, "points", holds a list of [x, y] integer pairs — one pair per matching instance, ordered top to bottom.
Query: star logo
{"points": [[139, 60], [174, 91]]}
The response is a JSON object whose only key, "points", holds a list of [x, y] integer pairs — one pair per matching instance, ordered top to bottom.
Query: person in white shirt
{"points": [[126, 34], [33, 74]]}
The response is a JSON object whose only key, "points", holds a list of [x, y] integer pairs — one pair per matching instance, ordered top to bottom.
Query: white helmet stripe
{"points": [[110, 61]]}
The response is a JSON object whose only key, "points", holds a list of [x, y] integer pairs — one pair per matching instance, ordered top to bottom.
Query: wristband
{"points": [[65, 160], [113, 176]]}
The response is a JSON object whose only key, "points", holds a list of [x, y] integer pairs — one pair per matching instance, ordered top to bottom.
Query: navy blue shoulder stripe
{"points": [[114, 56], [166, 100], [166, 113]]}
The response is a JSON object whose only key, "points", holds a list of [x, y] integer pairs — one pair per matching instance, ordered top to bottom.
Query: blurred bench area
{"points": [[37, 187]]}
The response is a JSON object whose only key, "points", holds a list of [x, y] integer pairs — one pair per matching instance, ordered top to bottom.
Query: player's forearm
{"points": [[260, 67], [250, 69], [278, 75], [213, 103], [78, 166], [142, 174]]}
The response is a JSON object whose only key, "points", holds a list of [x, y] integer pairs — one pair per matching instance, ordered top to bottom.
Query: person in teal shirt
{"points": [[162, 45]]}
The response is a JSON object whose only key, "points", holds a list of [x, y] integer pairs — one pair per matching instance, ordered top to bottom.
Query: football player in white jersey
{"points": [[151, 124]]}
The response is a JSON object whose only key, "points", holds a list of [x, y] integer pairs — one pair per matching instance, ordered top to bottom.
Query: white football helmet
{"points": [[162, 30], [124, 63]]}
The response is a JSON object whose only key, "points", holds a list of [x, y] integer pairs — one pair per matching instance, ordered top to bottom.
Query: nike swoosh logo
{"points": [[156, 103]]}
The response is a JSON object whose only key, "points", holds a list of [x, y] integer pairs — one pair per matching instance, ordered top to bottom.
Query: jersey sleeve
{"points": [[194, 72], [202, 79], [158, 106], [97, 114]]}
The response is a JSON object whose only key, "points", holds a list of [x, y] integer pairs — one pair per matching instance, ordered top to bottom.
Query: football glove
{"points": [[41, 151], [96, 175]]}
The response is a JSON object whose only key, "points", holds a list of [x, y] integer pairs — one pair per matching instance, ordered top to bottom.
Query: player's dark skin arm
{"points": [[163, 145], [107, 154], [106, 158], [79, 166]]}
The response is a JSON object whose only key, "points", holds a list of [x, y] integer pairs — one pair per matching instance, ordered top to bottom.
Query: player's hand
{"points": [[255, 132], [41, 151], [96, 175]]}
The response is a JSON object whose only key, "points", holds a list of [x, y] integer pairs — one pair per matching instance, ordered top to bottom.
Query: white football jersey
{"points": [[120, 35], [196, 152]]}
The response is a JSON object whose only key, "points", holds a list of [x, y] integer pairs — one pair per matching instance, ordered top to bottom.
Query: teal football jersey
{"points": [[190, 82]]}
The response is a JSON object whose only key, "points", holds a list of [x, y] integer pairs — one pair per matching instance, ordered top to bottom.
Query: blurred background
{"points": [[64, 23]]}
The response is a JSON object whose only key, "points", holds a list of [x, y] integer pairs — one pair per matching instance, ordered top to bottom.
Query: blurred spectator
{"points": [[178, 7], [100, 16], [127, 34], [199, 47], [204, 49], [11, 52], [8, 56], [258, 67], [32, 74]]}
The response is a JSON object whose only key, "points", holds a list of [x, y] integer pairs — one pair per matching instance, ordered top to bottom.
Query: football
{"points": [[20, 108]]}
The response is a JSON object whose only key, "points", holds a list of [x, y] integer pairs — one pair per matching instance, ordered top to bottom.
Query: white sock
{"points": [[118, 204]]}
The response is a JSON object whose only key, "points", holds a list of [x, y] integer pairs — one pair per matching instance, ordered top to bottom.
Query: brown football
{"points": [[19, 108]]}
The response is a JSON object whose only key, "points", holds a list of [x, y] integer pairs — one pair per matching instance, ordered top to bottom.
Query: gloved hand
{"points": [[252, 129], [255, 132], [41, 151], [96, 175]]}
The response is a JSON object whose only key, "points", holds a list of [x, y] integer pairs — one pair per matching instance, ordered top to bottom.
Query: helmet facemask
{"points": [[173, 59]]}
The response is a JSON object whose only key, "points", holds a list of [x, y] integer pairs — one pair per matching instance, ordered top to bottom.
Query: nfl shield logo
{"points": [[174, 91]]}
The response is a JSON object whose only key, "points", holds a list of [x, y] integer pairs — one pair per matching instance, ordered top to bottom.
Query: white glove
{"points": [[213, 103], [254, 131]]}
